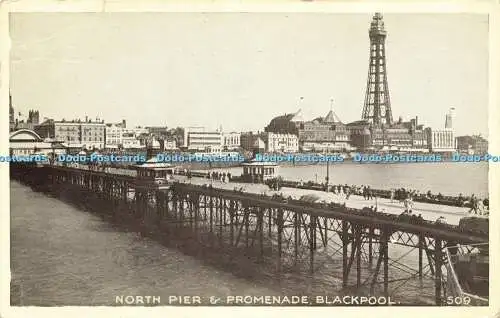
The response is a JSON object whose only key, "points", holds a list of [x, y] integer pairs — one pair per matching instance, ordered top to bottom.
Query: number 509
{"points": [[459, 300]]}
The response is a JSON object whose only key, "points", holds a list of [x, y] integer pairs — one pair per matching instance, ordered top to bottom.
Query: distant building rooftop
{"points": [[259, 163], [154, 164]]}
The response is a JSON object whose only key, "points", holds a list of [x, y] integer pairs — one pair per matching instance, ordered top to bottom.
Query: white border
{"points": [[480, 6]]}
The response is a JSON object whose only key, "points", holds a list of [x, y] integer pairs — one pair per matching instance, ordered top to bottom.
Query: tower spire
{"points": [[377, 106], [11, 108], [449, 119]]}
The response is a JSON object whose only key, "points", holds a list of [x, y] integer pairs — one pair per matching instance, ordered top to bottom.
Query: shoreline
{"points": [[218, 165]]}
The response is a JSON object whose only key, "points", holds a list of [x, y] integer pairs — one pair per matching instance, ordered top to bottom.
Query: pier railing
{"points": [[454, 287]]}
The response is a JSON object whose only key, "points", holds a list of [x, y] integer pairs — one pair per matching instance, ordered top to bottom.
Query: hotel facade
{"points": [[82, 134], [203, 140]]}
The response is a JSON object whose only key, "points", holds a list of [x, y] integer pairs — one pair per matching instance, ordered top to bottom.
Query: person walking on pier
{"points": [[348, 193], [369, 193], [408, 203], [474, 204], [480, 207], [440, 220]]}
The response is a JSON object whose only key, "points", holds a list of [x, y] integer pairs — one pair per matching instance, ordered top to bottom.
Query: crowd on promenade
{"points": [[224, 177], [400, 194]]}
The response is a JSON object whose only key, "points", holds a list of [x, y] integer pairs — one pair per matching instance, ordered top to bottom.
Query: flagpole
{"points": [[327, 159]]}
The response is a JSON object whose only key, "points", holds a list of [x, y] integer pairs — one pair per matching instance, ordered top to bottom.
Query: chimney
{"points": [[124, 123]]}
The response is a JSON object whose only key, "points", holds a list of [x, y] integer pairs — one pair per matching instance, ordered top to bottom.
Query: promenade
{"points": [[429, 211]]}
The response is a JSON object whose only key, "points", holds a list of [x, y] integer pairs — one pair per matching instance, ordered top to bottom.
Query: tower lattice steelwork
{"points": [[377, 107]]}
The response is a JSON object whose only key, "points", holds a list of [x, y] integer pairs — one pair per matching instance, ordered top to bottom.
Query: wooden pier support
{"points": [[279, 222], [312, 242], [385, 254], [420, 256], [345, 257], [438, 260]]}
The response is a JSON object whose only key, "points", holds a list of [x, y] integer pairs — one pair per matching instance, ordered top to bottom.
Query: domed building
{"points": [[285, 124], [320, 134], [24, 142]]}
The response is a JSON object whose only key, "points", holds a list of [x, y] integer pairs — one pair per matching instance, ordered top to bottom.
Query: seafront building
{"points": [[158, 131], [85, 134], [114, 134], [320, 134], [325, 134], [329, 134], [118, 135], [202, 140], [231, 140], [442, 140], [25, 142], [253, 142], [270, 142], [285, 143], [472, 145]]}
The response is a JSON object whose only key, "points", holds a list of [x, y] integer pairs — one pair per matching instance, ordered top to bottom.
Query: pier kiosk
{"points": [[259, 171], [154, 174], [151, 185]]}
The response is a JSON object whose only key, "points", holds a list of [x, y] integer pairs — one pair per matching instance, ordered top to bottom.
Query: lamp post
{"points": [[53, 159], [327, 169]]}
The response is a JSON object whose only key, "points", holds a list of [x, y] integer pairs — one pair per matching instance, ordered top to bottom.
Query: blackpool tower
{"points": [[377, 107]]}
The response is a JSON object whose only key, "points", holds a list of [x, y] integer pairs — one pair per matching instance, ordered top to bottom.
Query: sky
{"points": [[239, 70]]}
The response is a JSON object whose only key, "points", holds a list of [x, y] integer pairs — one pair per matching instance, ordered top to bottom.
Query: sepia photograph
{"points": [[316, 159]]}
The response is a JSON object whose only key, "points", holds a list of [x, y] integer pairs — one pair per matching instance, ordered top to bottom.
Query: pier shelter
{"points": [[257, 171], [153, 172]]}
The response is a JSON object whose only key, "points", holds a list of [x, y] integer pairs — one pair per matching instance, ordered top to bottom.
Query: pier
{"points": [[284, 234]]}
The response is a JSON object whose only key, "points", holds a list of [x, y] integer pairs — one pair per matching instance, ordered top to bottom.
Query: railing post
{"points": [[280, 237], [312, 241], [345, 242], [385, 243], [420, 256]]}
